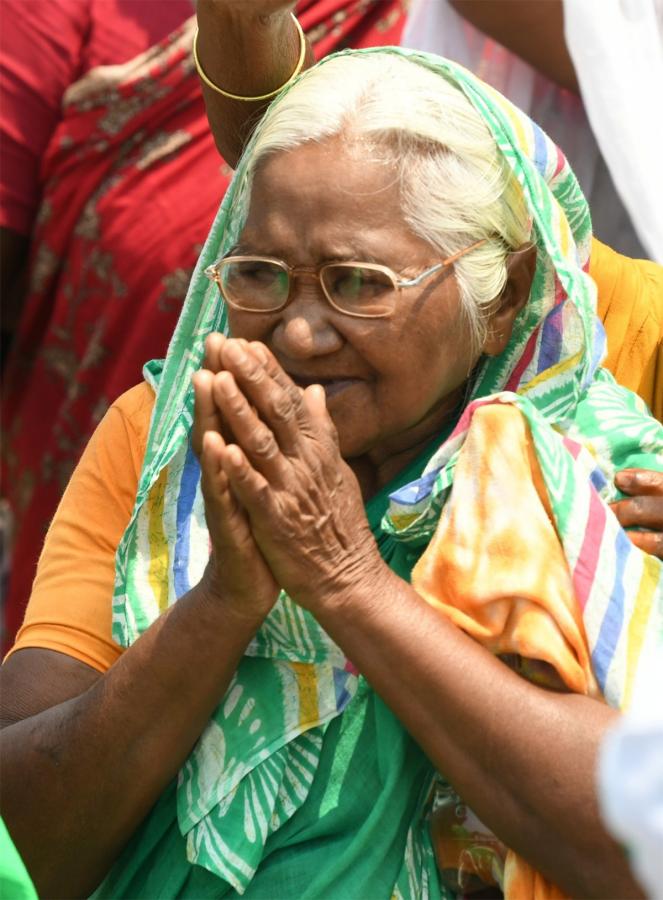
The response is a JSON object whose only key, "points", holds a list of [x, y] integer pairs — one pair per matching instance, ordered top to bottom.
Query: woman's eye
{"points": [[259, 272], [360, 283]]}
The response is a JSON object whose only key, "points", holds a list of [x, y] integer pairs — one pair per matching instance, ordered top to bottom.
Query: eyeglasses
{"points": [[263, 284]]}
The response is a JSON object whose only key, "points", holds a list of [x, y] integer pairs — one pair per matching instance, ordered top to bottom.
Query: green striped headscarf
{"points": [[255, 762]]}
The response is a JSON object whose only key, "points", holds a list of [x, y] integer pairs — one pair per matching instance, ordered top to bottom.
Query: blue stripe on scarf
{"points": [[540, 149], [551, 339], [598, 346], [598, 479], [188, 485], [613, 619]]}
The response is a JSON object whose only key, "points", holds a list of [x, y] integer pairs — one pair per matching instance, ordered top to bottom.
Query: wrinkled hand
{"points": [[303, 501], [643, 507], [237, 573]]}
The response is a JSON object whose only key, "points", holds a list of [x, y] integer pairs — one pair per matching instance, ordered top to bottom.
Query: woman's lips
{"points": [[337, 385], [332, 386]]}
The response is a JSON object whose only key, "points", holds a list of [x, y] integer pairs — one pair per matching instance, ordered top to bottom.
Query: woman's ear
{"points": [[520, 266]]}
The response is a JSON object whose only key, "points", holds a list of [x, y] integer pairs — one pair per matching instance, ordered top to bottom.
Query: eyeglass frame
{"points": [[212, 272]]}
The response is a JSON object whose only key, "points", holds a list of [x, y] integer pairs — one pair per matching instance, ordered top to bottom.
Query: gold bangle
{"points": [[215, 87]]}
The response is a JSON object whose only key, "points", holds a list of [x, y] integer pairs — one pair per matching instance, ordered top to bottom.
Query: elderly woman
{"points": [[395, 366]]}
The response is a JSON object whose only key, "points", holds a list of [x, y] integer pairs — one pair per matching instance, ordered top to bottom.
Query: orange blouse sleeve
{"points": [[630, 305], [70, 605]]}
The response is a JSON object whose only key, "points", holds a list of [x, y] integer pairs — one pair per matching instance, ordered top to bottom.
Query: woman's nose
{"points": [[306, 328]]}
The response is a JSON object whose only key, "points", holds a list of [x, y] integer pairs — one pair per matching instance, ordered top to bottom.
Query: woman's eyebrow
{"points": [[245, 248], [334, 254], [356, 256]]}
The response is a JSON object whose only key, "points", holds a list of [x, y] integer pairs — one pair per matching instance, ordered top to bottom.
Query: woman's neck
{"points": [[380, 465]]}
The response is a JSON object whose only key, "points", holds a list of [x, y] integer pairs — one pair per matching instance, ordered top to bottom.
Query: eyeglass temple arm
{"points": [[413, 282]]}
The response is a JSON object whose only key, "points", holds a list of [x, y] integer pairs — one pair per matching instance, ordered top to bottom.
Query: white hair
{"points": [[456, 188]]}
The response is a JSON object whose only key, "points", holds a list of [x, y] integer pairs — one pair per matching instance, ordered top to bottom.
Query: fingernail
{"points": [[259, 351], [235, 352], [227, 382], [234, 455]]}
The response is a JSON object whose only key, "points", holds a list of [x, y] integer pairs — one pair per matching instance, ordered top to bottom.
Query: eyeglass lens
{"points": [[262, 285]]}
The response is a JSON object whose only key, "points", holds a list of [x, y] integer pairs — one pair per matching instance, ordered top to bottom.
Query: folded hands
{"points": [[282, 506]]}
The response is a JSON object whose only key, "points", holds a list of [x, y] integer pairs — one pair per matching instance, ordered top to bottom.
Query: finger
{"points": [[213, 344], [276, 371], [278, 402], [315, 402], [206, 416], [250, 432], [214, 480], [640, 481], [249, 486], [646, 512], [226, 520], [649, 541]]}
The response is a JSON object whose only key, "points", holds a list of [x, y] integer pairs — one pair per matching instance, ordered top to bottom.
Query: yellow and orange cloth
{"points": [[630, 305], [508, 586]]}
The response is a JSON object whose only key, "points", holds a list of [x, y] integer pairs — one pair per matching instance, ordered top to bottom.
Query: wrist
{"points": [[244, 51], [358, 583], [246, 608]]}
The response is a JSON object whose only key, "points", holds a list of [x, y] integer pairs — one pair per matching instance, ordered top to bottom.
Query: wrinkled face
{"points": [[390, 382]]}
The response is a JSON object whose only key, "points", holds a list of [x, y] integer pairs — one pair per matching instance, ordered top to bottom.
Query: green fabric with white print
{"points": [[334, 788], [254, 814]]}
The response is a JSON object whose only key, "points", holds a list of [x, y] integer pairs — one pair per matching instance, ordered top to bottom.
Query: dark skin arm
{"points": [[532, 29], [247, 47], [250, 47], [66, 724], [135, 725], [524, 759]]}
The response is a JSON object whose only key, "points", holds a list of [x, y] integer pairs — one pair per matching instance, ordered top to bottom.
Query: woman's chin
{"points": [[354, 439]]}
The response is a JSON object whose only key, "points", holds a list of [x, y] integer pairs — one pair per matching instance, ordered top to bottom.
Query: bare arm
{"points": [[533, 29], [247, 47], [97, 750], [94, 752], [523, 758]]}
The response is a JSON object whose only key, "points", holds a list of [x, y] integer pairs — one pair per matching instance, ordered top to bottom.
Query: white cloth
{"points": [[434, 25], [617, 52], [631, 781]]}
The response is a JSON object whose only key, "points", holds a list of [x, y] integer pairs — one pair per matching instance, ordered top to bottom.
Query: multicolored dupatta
{"points": [[255, 762]]}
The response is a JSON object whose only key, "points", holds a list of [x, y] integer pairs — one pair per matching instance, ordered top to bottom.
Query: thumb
{"points": [[315, 403]]}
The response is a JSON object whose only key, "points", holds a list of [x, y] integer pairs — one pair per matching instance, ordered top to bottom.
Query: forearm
{"points": [[533, 31], [245, 52], [523, 758], [97, 763]]}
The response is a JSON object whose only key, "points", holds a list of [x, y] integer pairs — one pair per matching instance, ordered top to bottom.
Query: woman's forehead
{"points": [[342, 169], [330, 198]]}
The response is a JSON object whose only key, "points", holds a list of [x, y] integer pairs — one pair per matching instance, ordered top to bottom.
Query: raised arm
{"points": [[534, 31], [249, 48]]}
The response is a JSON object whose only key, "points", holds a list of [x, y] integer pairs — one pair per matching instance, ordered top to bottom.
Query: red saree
{"points": [[130, 183]]}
